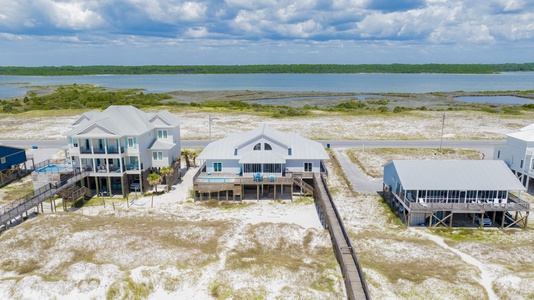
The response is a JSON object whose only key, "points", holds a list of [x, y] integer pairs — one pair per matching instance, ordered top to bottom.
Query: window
{"points": [[162, 134], [132, 142], [257, 146], [267, 147], [499, 154], [157, 155], [3, 160], [521, 165], [217, 167], [308, 167], [252, 168], [272, 168]]}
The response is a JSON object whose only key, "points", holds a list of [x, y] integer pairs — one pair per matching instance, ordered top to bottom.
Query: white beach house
{"points": [[123, 144], [518, 153], [262, 158]]}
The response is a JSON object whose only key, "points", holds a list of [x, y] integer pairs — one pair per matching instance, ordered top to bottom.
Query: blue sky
{"points": [[175, 32]]}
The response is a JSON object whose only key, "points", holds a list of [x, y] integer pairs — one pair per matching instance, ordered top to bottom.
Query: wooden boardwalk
{"points": [[17, 208], [355, 283]]}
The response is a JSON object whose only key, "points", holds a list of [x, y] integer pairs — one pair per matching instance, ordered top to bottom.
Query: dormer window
{"points": [[162, 134], [257, 146], [267, 147]]}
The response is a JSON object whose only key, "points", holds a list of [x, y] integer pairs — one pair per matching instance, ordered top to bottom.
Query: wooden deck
{"points": [[204, 183], [478, 206], [355, 283]]}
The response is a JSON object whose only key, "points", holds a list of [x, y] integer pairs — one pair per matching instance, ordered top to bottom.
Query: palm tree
{"points": [[186, 153], [166, 172], [154, 179]]}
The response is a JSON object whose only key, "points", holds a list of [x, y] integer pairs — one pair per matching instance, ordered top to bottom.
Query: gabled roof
{"points": [[85, 117], [168, 118], [118, 120], [527, 128], [266, 132], [524, 135], [301, 148], [262, 157], [469, 175]]}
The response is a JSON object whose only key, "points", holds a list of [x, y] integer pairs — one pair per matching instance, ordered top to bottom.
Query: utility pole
{"points": [[210, 121], [442, 126]]}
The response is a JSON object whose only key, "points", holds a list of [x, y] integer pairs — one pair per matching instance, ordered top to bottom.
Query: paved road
{"points": [[476, 144], [359, 181]]}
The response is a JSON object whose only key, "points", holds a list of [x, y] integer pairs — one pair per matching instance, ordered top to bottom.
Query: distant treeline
{"points": [[270, 69]]}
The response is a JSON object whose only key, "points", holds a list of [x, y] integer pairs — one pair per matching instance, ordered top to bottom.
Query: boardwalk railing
{"points": [[16, 208], [355, 282]]}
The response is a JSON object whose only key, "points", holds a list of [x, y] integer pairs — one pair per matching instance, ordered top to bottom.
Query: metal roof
{"points": [[120, 120], [524, 135], [161, 145], [301, 148], [262, 157], [472, 175]]}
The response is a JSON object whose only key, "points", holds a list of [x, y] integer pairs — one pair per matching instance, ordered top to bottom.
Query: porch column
{"points": [[109, 187]]}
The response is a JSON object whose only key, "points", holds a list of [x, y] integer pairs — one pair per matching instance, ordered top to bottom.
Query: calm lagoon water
{"points": [[14, 86], [495, 99]]}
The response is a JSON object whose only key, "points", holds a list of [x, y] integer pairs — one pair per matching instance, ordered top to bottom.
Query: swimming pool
{"points": [[51, 168], [217, 180]]}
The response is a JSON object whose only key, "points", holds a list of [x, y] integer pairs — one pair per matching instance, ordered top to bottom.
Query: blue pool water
{"points": [[52, 169], [217, 180]]}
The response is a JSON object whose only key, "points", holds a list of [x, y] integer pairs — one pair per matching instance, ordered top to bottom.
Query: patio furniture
{"points": [[258, 177], [272, 178]]}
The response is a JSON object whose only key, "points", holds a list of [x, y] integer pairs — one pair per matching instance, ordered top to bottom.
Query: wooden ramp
{"points": [[17, 208], [355, 283]]}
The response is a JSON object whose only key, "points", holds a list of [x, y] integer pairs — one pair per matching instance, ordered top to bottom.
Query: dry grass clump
{"points": [[371, 160], [16, 190], [147, 240], [397, 256], [304, 259]]}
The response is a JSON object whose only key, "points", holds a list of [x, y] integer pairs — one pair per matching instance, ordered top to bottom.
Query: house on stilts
{"points": [[122, 145], [260, 164], [458, 193]]}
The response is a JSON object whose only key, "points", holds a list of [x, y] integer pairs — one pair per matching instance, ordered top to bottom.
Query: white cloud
{"points": [[73, 16], [333, 24]]}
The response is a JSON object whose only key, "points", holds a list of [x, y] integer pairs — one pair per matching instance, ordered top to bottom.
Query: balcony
{"points": [[110, 150], [103, 169]]}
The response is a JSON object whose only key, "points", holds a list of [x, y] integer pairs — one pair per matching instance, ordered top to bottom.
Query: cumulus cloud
{"points": [[430, 22]]}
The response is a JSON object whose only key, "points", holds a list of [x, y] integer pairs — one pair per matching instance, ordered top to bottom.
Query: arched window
{"points": [[257, 146], [267, 147]]}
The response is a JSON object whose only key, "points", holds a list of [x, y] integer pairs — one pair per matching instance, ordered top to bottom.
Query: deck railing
{"points": [[513, 203]]}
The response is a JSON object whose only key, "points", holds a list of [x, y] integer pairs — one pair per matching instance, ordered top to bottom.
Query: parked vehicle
{"points": [[135, 186], [507, 220], [486, 221]]}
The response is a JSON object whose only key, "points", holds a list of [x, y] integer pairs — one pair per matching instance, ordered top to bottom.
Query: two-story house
{"points": [[123, 144], [518, 152]]}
